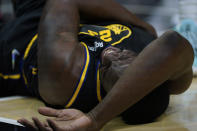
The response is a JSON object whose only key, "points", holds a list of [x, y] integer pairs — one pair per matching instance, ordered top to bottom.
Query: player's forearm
{"points": [[110, 10], [147, 72]]}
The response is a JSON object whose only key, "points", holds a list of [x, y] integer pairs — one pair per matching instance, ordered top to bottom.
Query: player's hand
{"points": [[64, 120], [36, 125]]}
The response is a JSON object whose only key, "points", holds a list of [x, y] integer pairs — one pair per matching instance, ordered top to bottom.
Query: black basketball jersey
{"points": [[95, 38], [89, 91]]}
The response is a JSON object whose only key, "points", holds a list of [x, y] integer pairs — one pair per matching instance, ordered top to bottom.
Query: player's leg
{"points": [[188, 29], [167, 63]]}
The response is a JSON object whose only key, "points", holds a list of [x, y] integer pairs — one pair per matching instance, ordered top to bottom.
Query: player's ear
{"points": [[106, 61]]}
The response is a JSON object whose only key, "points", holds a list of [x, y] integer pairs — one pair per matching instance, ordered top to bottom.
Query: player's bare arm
{"points": [[58, 45], [148, 71], [131, 87]]}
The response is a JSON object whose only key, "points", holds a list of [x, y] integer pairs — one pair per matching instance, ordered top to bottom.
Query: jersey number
{"points": [[105, 35]]}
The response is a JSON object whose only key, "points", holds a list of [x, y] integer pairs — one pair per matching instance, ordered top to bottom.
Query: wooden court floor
{"points": [[181, 114]]}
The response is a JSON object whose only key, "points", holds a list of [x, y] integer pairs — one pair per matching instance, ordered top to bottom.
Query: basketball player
{"points": [[111, 64]]}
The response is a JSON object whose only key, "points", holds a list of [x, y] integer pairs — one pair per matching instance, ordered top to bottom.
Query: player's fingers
{"points": [[49, 111], [27, 124], [46, 124], [53, 124], [41, 126]]}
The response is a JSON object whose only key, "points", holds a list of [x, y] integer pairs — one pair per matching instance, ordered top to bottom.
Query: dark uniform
{"points": [[14, 39], [18, 56]]}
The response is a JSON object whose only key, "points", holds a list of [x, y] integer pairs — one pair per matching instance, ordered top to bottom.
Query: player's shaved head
{"points": [[114, 63]]}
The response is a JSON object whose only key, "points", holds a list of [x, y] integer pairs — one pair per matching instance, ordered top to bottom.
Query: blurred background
{"points": [[162, 14]]}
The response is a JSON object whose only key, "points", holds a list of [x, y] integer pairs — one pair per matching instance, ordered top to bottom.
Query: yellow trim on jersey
{"points": [[116, 28], [90, 32], [123, 38], [29, 46], [26, 55], [34, 71], [18, 76], [13, 77], [82, 77], [25, 78], [98, 87]]}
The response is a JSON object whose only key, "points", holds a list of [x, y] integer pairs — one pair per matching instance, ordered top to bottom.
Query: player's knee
{"points": [[172, 34], [173, 38], [177, 44], [179, 49]]}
